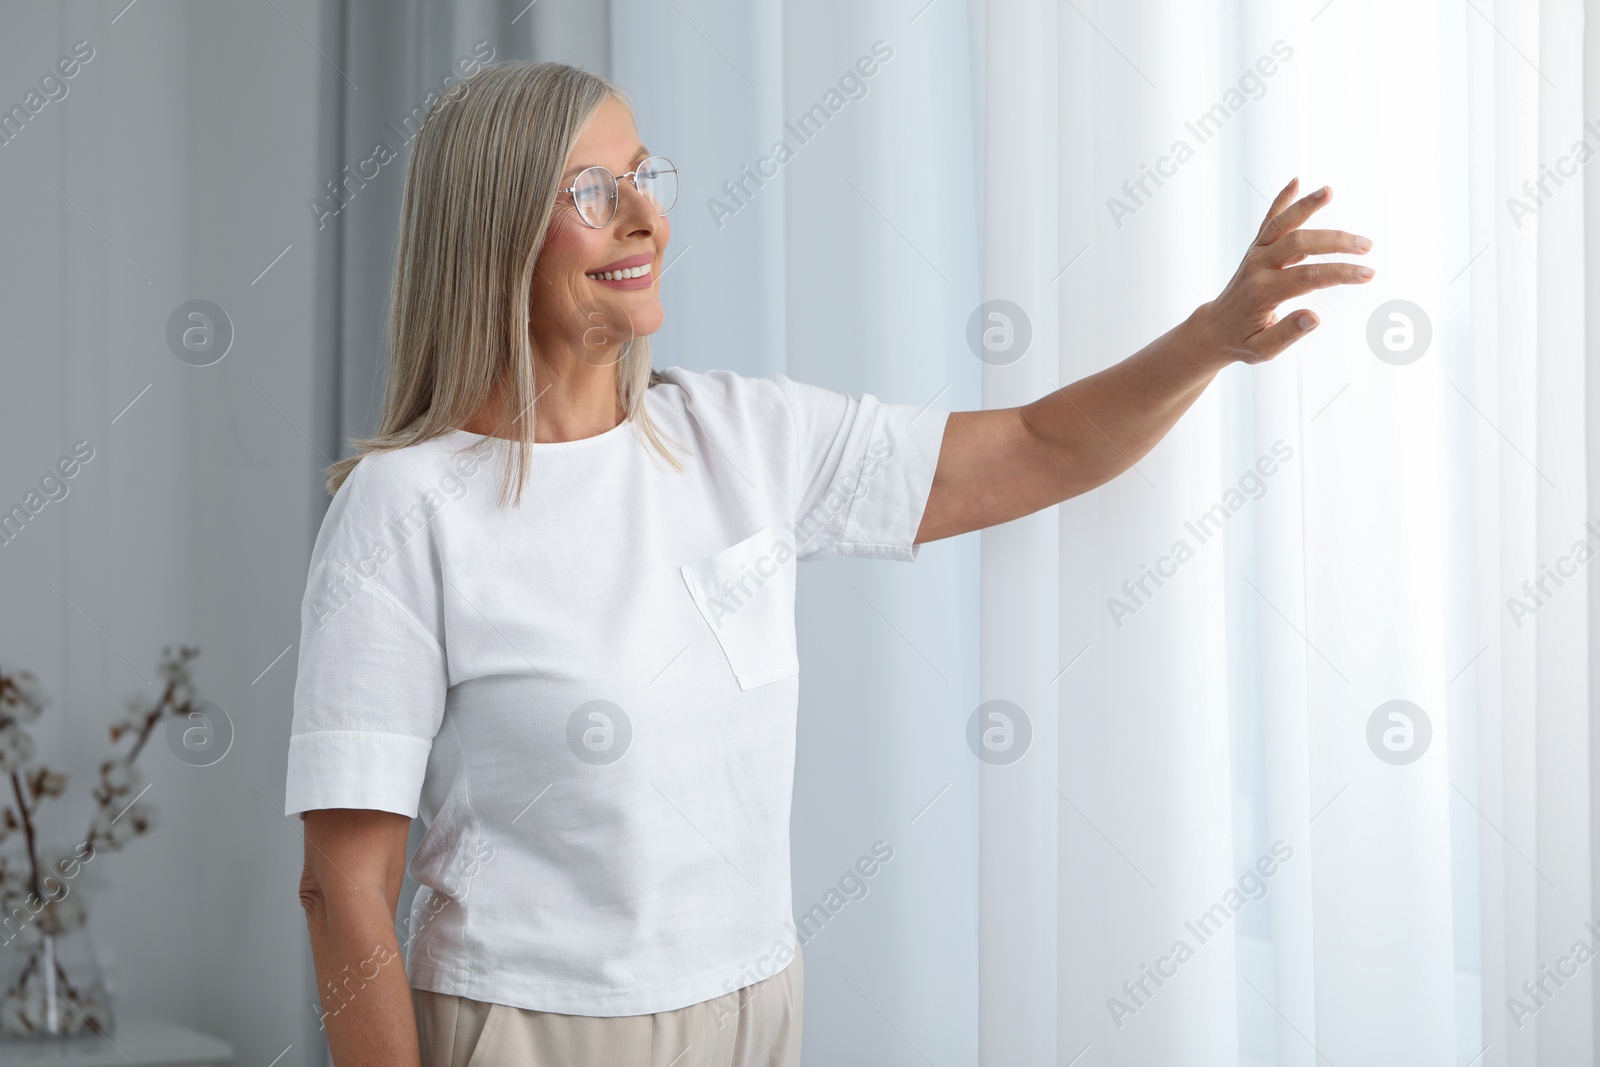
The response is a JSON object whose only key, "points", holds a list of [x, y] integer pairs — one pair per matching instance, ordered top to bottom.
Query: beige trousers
{"points": [[757, 1026]]}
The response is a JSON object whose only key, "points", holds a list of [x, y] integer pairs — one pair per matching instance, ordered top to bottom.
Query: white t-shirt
{"points": [[590, 697]]}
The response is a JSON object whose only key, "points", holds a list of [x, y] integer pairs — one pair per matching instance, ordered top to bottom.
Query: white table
{"points": [[143, 1040]]}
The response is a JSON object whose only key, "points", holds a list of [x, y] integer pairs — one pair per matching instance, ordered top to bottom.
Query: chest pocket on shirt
{"points": [[745, 592]]}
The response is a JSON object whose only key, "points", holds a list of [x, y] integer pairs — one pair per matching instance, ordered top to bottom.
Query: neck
{"points": [[575, 399]]}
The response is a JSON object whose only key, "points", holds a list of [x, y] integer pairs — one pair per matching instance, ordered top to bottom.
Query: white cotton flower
{"points": [[175, 669], [182, 694], [30, 696], [16, 748], [120, 776], [141, 817], [115, 825], [113, 835], [64, 865], [63, 916], [19, 918], [14, 1016]]}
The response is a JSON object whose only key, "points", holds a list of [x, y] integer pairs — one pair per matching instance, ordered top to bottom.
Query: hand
{"points": [[1242, 324]]}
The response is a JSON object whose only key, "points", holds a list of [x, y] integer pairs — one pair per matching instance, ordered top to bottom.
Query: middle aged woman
{"points": [[589, 693]]}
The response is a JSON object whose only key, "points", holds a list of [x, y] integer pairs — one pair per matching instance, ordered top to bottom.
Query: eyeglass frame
{"points": [[616, 182]]}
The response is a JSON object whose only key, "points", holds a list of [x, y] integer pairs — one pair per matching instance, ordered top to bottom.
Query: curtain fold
{"points": [[1383, 451], [1534, 775], [1022, 802], [1147, 834]]}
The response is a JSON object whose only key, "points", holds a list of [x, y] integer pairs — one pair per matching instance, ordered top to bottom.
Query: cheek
{"points": [[566, 247], [558, 275]]}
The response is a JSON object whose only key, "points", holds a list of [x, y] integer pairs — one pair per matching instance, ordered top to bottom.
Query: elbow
{"points": [[1062, 466], [312, 901]]}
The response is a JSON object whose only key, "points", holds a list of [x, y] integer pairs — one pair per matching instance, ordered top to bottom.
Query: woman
{"points": [[582, 673]]}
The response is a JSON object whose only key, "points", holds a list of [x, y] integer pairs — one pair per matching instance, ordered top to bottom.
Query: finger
{"points": [[1279, 202], [1292, 216], [1296, 245], [1293, 281], [1280, 335]]}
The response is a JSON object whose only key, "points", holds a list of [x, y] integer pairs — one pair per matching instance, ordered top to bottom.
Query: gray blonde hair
{"points": [[480, 188]]}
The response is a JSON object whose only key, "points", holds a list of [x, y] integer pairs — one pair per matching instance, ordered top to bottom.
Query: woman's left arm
{"points": [[1004, 463]]}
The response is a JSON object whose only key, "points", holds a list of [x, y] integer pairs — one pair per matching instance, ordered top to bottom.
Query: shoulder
{"points": [[721, 389], [736, 413], [402, 475], [394, 493]]}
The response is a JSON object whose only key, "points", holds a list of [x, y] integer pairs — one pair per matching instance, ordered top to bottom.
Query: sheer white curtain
{"points": [[1533, 505], [1201, 648], [1222, 706]]}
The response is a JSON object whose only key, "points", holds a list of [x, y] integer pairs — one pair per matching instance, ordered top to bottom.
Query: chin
{"points": [[644, 312], [636, 318], [644, 326]]}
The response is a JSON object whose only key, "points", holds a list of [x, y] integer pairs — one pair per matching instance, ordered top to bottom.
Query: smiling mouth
{"points": [[642, 271]]}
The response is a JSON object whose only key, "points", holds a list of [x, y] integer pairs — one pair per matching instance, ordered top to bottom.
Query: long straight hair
{"points": [[480, 188]]}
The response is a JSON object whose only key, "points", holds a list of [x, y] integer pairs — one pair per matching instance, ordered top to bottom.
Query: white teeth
{"points": [[618, 275]]}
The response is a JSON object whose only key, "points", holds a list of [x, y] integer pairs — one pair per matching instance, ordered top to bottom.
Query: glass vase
{"points": [[55, 988]]}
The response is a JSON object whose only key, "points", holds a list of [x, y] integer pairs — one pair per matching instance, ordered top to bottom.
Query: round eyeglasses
{"points": [[594, 191]]}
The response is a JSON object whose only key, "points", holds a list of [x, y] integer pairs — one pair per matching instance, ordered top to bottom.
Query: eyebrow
{"points": [[578, 168]]}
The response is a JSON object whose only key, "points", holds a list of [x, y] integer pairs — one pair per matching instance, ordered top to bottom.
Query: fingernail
{"points": [[1321, 194], [1362, 244], [1364, 272], [1306, 322]]}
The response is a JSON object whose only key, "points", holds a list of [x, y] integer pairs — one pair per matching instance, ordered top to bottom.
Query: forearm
{"points": [[1099, 426], [1003, 463], [361, 982]]}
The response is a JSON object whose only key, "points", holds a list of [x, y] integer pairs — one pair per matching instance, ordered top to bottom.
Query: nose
{"points": [[636, 212]]}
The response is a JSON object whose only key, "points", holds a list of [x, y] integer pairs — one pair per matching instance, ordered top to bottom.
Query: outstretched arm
{"points": [[1004, 463]]}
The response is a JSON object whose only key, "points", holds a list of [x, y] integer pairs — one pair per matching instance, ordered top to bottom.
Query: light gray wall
{"points": [[258, 80], [186, 146], [89, 275]]}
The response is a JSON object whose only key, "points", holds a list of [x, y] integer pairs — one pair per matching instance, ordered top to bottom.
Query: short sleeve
{"points": [[864, 471], [370, 692]]}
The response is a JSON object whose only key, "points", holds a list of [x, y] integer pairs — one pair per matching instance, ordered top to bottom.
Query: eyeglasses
{"points": [[594, 191]]}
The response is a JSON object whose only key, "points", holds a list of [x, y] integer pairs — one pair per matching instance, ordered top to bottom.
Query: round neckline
{"points": [[551, 446], [554, 446]]}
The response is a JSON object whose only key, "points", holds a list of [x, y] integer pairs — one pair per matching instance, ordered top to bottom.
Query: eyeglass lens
{"points": [[595, 190]]}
